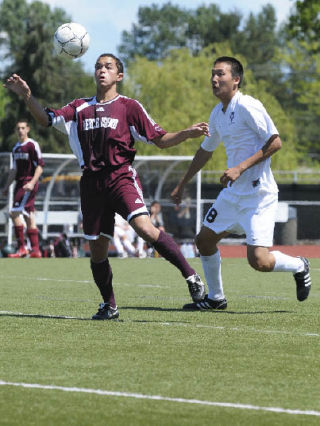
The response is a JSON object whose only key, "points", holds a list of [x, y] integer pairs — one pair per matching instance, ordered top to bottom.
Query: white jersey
{"points": [[244, 128]]}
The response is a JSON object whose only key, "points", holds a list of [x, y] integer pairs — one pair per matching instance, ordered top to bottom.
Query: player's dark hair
{"points": [[119, 64], [236, 66], [23, 120]]}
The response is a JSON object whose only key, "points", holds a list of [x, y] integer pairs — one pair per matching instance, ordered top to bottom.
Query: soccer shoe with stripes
{"points": [[22, 252], [303, 281], [196, 287], [206, 304], [106, 312]]}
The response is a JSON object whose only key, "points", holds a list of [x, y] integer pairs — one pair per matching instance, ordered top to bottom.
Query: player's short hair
{"points": [[119, 64], [236, 66], [23, 120]]}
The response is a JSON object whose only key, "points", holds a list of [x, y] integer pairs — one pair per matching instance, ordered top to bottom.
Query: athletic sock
{"points": [[19, 232], [33, 236], [168, 249], [285, 263], [212, 271], [102, 275]]}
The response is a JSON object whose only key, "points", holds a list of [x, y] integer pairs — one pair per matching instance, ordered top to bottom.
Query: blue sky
{"points": [[106, 19]]}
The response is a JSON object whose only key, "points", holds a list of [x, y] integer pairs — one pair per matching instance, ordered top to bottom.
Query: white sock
{"points": [[285, 263], [212, 271]]}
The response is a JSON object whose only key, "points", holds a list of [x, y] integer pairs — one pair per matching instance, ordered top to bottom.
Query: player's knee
{"points": [[203, 245], [260, 263]]}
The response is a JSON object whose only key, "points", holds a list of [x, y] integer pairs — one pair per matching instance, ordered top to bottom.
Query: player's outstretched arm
{"points": [[17, 85], [171, 139], [199, 160]]}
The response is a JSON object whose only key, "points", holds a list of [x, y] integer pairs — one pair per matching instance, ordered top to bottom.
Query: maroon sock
{"points": [[19, 231], [33, 236], [168, 249], [102, 275]]}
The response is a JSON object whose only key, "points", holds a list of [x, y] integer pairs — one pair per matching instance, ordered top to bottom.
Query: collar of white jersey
{"points": [[233, 102]]}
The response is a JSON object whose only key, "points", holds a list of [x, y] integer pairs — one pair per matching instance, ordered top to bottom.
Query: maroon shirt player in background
{"points": [[102, 131], [26, 171]]}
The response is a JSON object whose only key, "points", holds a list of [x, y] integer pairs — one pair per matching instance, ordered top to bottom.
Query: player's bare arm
{"points": [[19, 86], [171, 139], [271, 147], [200, 159], [31, 184]]}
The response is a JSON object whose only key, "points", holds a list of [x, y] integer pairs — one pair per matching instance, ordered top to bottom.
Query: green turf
{"points": [[260, 351]]}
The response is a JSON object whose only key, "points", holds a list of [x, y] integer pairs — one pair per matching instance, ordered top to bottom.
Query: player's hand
{"points": [[18, 86], [199, 129], [230, 175], [28, 186], [177, 194]]}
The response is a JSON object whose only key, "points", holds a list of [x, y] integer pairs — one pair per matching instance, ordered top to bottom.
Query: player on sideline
{"points": [[102, 131], [26, 171], [248, 202]]}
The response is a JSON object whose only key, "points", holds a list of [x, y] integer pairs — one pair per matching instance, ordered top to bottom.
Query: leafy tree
{"points": [[304, 23], [163, 28], [54, 80], [302, 84], [177, 92], [4, 100]]}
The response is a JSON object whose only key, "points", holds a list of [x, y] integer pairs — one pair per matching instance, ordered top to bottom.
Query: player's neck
{"points": [[106, 95], [225, 100]]}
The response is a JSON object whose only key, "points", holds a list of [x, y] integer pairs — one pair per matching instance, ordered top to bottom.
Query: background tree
{"points": [[304, 22], [163, 28], [29, 29]]}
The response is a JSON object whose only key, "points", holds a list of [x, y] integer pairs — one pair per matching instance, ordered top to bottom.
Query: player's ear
{"points": [[120, 76]]}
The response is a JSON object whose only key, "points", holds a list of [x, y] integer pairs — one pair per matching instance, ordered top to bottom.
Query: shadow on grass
{"points": [[141, 308], [215, 311]]}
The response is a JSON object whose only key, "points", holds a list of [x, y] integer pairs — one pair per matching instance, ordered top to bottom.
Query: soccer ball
{"points": [[71, 40]]}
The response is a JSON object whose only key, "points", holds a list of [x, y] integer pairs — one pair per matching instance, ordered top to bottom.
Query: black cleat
{"points": [[303, 281], [196, 287], [206, 304], [106, 312]]}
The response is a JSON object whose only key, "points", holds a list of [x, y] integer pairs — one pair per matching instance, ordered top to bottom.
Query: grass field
{"points": [[157, 365]]}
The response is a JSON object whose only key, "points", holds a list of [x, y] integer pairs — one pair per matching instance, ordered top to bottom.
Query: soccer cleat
{"points": [[22, 252], [35, 253], [303, 281], [196, 287], [206, 304], [106, 312]]}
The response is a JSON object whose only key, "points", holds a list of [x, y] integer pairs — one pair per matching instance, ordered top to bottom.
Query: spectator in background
{"points": [[26, 170], [121, 238]]}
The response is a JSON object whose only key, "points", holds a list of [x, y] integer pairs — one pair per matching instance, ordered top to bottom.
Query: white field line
{"points": [[172, 324], [164, 398]]}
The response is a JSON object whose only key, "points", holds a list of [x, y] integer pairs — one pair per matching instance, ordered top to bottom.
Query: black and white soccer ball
{"points": [[71, 40]]}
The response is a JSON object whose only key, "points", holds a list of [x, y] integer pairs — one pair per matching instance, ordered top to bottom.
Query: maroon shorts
{"points": [[103, 195], [23, 201]]}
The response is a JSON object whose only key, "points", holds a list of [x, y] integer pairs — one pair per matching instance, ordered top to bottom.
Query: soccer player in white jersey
{"points": [[102, 131], [27, 167], [248, 202]]}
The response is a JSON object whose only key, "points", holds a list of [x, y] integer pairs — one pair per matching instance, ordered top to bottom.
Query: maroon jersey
{"points": [[102, 135], [26, 157]]}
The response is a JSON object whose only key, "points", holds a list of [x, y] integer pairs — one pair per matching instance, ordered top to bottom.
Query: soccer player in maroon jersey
{"points": [[102, 131], [26, 171]]}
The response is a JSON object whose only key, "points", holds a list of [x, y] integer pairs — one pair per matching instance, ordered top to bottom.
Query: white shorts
{"points": [[252, 215]]}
